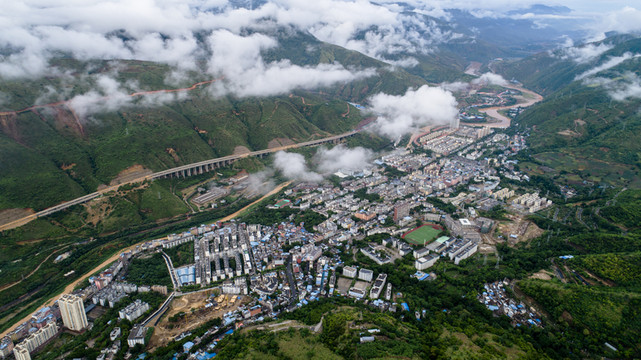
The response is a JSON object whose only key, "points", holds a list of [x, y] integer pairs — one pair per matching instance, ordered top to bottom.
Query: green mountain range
{"points": [[583, 129], [63, 156]]}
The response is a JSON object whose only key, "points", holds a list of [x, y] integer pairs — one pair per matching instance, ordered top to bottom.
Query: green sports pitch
{"points": [[423, 235]]}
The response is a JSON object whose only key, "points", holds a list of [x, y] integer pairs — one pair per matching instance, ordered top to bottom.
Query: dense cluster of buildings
{"points": [[531, 202], [285, 266], [497, 300], [43, 326]]}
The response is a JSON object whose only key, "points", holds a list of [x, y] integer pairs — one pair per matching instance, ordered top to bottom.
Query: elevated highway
{"points": [[180, 171]]}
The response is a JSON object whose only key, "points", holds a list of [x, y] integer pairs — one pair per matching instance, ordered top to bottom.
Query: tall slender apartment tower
{"points": [[73, 312], [21, 353]]}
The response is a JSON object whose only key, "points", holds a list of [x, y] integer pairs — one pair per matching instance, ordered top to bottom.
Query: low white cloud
{"points": [[625, 20], [165, 31], [586, 53], [238, 60], [406, 62], [610, 63], [490, 79], [455, 86], [627, 86], [630, 89], [110, 95], [400, 115], [341, 157], [325, 162], [294, 167], [261, 182]]}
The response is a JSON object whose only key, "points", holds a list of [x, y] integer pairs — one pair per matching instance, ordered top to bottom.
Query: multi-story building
{"points": [[401, 211], [426, 262], [349, 271], [366, 274], [378, 286], [134, 310], [72, 311], [137, 335], [31, 343], [6, 347], [21, 353]]}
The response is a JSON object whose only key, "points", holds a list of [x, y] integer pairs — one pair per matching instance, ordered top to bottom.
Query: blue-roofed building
{"points": [[186, 274], [405, 306], [187, 346], [205, 355]]}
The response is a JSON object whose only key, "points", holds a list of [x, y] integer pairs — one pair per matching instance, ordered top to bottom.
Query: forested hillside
{"points": [[588, 126]]}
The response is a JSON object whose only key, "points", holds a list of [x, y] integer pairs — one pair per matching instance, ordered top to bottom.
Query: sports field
{"points": [[423, 235]]}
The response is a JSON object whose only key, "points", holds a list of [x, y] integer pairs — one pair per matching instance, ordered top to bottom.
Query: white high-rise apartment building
{"points": [[73, 312], [21, 353]]}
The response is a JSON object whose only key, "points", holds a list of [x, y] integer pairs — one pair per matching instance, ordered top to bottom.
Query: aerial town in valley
{"points": [[425, 202]]}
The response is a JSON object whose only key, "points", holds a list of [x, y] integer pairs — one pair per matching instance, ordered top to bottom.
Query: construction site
{"points": [[515, 230], [189, 311]]}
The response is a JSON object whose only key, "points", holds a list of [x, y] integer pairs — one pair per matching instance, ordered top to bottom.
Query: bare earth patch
{"points": [[568, 132], [278, 142], [239, 150], [172, 152], [66, 167], [130, 173], [97, 210], [9, 215], [523, 229], [487, 249], [542, 275], [195, 314]]}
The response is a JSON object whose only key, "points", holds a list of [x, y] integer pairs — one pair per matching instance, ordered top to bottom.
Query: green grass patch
{"points": [[422, 235]]}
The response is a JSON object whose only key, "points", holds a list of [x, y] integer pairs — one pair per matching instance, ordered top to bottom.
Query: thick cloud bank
{"points": [[222, 38], [586, 53], [490, 79], [400, 115], [342, 158], [325, 162], [294, 167]]}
